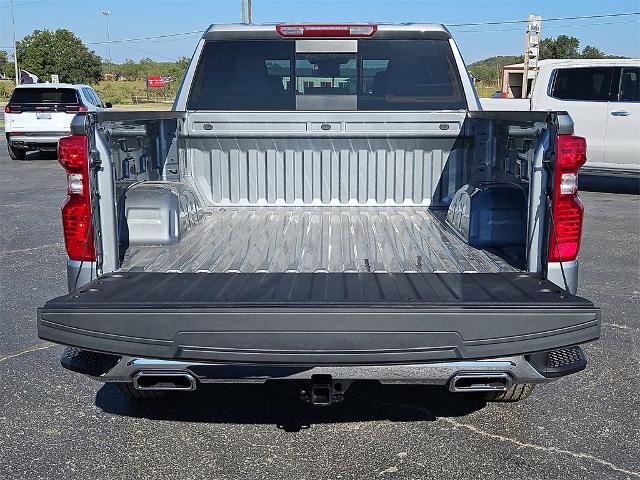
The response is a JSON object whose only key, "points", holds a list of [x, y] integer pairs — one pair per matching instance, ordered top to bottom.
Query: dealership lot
{"points": [[55, 424]]}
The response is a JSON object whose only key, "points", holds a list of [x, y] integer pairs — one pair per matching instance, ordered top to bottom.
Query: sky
{"points": [[144, 18]]}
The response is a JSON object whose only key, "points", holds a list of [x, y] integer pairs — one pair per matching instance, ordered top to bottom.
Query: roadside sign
{"points": [[55, 78], [167, 79], [154, 81]]}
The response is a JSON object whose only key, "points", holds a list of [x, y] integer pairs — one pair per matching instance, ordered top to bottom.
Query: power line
{"points": [[556, 19], [452, 25], [547, 28], [153, 37], [148, 52]]}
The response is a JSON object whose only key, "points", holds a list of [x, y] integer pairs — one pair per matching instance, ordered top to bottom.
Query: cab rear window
{"points": [[381, 75], [44, 96]]}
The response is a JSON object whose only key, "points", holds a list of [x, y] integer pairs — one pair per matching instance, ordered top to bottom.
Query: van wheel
{"points": [[16, 153], [131, 392], [514, 394]]}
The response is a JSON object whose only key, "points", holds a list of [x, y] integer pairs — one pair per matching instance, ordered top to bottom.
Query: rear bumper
{"points": [[34, 139], [520, 369]]}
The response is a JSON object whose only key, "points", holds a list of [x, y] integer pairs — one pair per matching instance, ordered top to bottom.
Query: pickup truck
{"points": [[603, 99], [324, 204]]}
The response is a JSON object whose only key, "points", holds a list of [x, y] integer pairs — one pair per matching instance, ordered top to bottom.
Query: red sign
{"points": [[155, 81]]}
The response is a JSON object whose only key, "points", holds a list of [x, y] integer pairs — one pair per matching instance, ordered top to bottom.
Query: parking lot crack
{"points": [[32, 249], [28, 350], [513, 441]]}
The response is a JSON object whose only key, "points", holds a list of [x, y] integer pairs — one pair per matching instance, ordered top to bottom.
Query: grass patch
{"points": [[485, 91]]}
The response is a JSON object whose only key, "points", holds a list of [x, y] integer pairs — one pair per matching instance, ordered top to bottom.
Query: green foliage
{"points": [[560, 47], [46, 52], [6, 65], [131, 70], [6, 88], [122, 92]]}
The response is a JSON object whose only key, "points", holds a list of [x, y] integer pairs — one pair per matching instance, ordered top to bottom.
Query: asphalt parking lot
{"points": [[54, 424]]}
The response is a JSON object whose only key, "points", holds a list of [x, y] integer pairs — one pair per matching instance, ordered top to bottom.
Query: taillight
{"points": [[326, 30], [12, 109], [76, 109], [567, 209], [76, 210]]}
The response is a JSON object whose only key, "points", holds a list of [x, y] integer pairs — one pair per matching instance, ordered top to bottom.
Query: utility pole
{"points": [[245, 11], [106, 14], [15, 50], [531, 51]]}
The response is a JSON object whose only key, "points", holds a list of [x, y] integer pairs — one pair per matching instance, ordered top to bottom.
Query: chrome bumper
{"points": [[28, 138], [517, 367]]}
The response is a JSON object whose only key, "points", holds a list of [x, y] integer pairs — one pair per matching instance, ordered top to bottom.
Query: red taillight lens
{"points": [[326, 30], [12, 109], [76, 109], [571, 152], [72, 153], [567, 209], [76, 210], [78, 235]]}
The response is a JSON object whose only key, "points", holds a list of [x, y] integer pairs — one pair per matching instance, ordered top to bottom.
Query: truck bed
{"points": [[317, 239]]}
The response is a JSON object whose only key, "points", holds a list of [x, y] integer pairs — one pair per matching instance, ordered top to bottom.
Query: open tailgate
{"points": [[319, 318]]}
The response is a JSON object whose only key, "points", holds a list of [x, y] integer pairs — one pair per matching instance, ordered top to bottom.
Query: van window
{"points": [[588, 84], [629, 85]]}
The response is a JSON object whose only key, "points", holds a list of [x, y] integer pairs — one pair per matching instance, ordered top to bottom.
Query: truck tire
{"points": [[16, 153], [131, 392], [514, 394]]}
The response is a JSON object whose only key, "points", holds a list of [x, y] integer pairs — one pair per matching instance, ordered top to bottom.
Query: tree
{"points": [[561, 47], [59, 52], [592, 52], [6, 65]]}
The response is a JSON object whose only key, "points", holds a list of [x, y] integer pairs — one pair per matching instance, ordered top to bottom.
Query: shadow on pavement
{"points": [[39, 156], [609, 184], [278, 404]]}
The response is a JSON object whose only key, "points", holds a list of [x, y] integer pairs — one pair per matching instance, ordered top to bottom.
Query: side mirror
{"points": [[108, 105]]}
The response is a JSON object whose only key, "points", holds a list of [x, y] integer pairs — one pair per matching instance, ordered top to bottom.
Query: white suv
{"points": [[39, 114]]}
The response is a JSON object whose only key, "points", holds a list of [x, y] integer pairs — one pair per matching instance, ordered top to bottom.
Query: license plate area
{"points": [[43, 115]]}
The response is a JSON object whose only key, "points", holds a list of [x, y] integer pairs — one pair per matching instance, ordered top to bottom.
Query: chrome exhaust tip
{"points": [[164, 380], [480, 382]]}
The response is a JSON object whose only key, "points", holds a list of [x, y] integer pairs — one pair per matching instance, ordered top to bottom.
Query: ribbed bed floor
{"points": [[337, 239]]}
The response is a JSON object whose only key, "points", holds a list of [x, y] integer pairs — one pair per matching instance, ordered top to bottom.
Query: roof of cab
{"points": [[267, 31]]}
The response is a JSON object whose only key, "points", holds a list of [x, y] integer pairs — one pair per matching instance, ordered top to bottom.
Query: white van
{"points": [[602, 97], [39, 114]]}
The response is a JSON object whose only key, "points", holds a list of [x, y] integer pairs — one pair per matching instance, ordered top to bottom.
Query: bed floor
{"points": [[335, 239]]}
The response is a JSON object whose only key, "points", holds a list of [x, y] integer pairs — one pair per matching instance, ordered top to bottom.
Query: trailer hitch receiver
{"points": [[323, 390]]}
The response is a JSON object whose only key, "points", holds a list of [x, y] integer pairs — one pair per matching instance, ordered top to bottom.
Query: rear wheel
{"points": [[16, 153], [130, 391], [514, 394]]}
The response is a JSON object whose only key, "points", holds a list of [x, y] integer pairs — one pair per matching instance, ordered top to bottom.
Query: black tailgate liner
{"points": [[319, 318]]}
